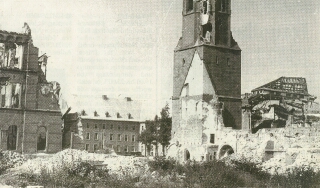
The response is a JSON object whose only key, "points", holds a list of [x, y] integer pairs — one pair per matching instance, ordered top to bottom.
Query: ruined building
{"points": [[207, 78], [281, 103], [29, 111], [210, 120], [104, 124]]}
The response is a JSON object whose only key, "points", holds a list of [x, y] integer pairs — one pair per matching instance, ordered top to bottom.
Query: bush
{"points": [[164, 166], [253, 168], [212, 174], [78, 175], [297, 177]]}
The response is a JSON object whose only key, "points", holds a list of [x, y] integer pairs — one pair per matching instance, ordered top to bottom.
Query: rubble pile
{"points": [[276, 150], [119, 165]]}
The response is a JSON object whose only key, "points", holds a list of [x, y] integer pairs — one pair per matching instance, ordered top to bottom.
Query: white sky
{"points": [[126, 47]]}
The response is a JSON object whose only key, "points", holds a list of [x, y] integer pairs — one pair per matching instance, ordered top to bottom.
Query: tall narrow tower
{"points": [[206, 78]]}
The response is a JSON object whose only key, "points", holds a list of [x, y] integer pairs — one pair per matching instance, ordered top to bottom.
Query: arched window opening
{"points": [[205, 7], [12, 137], [42, 138], [225, 151]]}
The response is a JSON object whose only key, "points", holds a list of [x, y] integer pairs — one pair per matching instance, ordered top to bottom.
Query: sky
{"points": [[125, 48]]}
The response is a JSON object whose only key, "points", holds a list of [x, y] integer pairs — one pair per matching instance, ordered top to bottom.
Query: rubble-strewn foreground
{"points": [[71, 168]]}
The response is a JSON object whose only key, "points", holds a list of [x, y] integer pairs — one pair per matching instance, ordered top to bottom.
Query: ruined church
{"points": [[207, 77], [210, 118]]}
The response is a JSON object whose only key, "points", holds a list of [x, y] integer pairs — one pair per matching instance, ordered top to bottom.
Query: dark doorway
{"points": [[12, 138], [42, 138], [212, 138], [226, 150]]}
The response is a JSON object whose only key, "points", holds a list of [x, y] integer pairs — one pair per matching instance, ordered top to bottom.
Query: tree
{"points": [[157, 131], [164, 134], [148, 136]]}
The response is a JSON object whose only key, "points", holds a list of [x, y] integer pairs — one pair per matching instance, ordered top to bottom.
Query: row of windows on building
{"points": [[279, 93], [104, 126], [111, 137], [117, 149]]}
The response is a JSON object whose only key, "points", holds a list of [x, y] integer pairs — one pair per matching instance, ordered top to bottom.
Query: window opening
{"points": [[189, 5], [224, 5], [205, 7], [206, 32], [11, 55], [10, 95], [88, 136], [96, 136], [111, 136], [119, 137], [12, 138], [42, 138], [126, 138], [133, 138], [212, 138], [87, 147]]}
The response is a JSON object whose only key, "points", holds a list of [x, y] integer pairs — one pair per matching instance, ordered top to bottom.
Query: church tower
{"points": [[206, 79]]}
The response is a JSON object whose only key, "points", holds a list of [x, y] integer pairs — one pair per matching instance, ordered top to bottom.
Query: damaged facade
{"points": [[281, 103], [29, 110], [210, 119], [104, 124]]}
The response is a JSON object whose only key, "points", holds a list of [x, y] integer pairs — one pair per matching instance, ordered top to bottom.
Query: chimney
{"points": [[105, 97], [128, 99]]}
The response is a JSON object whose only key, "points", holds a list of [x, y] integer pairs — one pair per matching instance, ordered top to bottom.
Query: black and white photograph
{"points": [[160, 93]]}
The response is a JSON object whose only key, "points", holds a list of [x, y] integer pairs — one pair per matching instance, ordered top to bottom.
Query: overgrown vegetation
{"points": [[164, 172], [82, 174], [239, 174]]}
